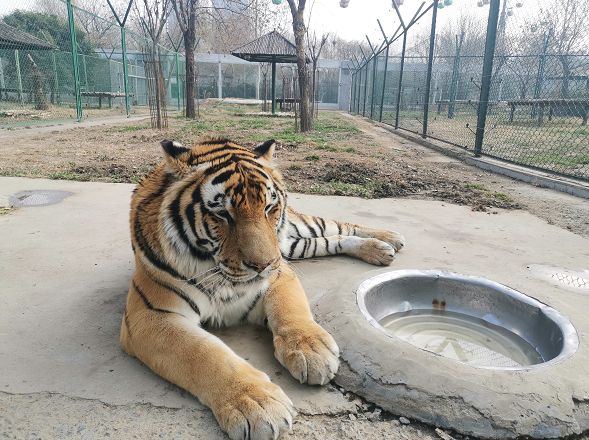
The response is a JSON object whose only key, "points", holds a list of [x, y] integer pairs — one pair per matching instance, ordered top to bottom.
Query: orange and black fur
{"points": [[211, 229]]}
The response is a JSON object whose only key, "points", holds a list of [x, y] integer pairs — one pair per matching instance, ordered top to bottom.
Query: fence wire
{"points": [[43, 80], [538, 88]]}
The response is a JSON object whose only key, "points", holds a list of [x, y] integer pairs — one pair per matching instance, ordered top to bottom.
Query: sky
{"points": [[359, 18]]}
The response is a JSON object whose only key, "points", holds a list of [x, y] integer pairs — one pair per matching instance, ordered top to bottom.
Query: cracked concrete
{"points": [[65, 270]]}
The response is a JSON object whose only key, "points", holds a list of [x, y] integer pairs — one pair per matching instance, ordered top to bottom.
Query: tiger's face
{"points": [[236, 206]]}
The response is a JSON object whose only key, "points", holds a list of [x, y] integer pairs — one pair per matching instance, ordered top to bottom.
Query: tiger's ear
{"points": [[265, 150], [176, 155]]}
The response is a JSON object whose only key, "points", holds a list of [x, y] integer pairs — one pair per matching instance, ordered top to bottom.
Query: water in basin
{"points": [[462, 337]]}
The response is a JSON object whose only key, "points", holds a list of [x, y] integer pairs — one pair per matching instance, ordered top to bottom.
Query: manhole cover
{"points": [[26, 199], [575, 279]]}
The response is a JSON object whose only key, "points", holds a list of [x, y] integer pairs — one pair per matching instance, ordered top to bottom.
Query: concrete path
{"points": [[64, 272]]}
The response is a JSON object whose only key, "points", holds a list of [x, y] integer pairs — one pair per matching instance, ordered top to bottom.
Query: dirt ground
{"points": [[344, 156]]}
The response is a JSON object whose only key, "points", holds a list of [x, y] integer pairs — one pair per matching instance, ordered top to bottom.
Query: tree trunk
{"points": [[190, 77], [306, 116]]}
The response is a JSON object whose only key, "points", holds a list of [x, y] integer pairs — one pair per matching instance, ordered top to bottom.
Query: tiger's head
{"points": [[230, 205]]}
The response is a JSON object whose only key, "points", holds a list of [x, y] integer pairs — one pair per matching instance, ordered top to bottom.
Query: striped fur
{"points": [[210, 227]]}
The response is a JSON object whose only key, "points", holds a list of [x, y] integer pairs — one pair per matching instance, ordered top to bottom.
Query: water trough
{"points": [[458, 352]]}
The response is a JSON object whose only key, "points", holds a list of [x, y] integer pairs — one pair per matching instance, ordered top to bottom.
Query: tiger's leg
{"points": [[375, 246], [370, 250], [172, 343], [300, 344]]}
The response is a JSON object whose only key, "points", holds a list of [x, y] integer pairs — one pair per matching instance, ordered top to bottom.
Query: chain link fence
{"points": [[43, 80], [512, 83]]}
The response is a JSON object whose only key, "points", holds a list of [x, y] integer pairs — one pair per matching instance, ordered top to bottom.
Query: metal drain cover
{"points": [[25, 199], [572, 279]]}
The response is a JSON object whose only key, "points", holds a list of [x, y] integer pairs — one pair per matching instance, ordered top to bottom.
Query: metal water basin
{"points": [[472, 320]]}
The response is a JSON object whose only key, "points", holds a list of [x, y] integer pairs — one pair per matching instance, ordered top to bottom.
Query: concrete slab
{"points": [[65, 270]]}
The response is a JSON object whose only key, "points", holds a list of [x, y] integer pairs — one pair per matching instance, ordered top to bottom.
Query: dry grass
{"points": [[337, 158]]}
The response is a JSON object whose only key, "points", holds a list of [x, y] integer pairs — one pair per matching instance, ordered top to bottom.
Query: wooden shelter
{"points": [[273, 48]]}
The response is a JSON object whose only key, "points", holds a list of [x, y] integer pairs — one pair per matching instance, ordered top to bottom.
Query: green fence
{"points": [[42, 79], [513, 84]]}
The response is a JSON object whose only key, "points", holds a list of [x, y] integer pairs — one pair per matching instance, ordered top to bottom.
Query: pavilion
{"points": [[273, 48]]}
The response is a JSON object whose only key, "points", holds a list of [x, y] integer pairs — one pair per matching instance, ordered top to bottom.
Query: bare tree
{"points": [[297, 9], [186, 15], [153, 17], [568, 22], [102, 33], [315, 45], [340, 49]]}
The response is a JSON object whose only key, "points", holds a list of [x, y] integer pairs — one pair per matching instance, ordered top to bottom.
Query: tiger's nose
{"points": [[258, 266]]}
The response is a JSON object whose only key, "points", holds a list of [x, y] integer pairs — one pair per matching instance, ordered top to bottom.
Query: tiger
{"points": [[212, 236]]}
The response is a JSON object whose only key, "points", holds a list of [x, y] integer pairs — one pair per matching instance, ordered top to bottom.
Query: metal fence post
{"points": [[490, 43], [430, 62], [374, 63], [75, 64], [541, 67], [85, 71], [125, 71], [55, 80], [219, 81], [454, 81], [384, 82], [178, 88], [365, 89], [359, 91], [352, 92], [273, 93], [21, 97], [398, 105]]}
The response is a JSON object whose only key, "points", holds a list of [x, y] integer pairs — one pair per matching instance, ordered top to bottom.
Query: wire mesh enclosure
{"points": [[60, 62], [511, 84]]}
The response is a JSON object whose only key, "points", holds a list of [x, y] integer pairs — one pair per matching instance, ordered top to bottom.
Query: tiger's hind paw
{"points": [[396, 240], [377, 252]]}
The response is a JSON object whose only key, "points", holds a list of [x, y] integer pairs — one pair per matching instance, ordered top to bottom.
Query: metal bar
{"points": [[127, 13], [399, 14], [413, 19], [382, 31], [394, 37], [490, 43], [370, 44], [362, 52], [177, 59], [374, 62], [430, 62], [75, 64], [541, 67], [401, 68], [85, 71], [125, 71], [55, 79], [219, 81], [454, 81], [384, 83], [274, 87], [358, 87], [365, 90], [359, 93], [21, 97]]}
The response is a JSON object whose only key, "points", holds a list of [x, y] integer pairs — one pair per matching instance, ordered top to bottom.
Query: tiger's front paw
{"points": [[308, 352], [254, 408]]}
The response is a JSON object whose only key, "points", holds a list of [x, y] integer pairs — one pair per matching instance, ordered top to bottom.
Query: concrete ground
{"points": [[64, 272]]}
